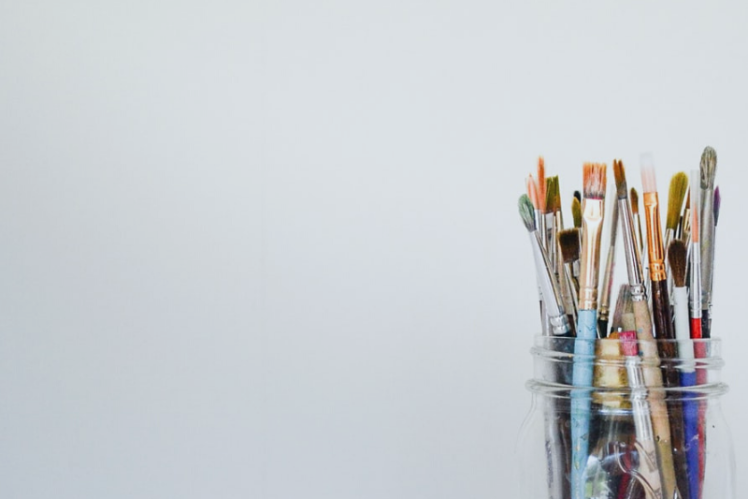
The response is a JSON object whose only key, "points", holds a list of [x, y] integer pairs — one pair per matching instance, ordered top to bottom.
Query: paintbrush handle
{"points": [[706, 323], [584, 352], [668, 352], [653, 380], [693, 442]]}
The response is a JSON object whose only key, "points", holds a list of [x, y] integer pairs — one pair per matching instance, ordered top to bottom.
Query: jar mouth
{"points": [[618, 364]]}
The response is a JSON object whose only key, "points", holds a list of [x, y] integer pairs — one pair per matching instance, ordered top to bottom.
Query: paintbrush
{"points": [[708, 170], [594, 177], [541, 185], [532, 192], [676, 193], [552, 197], [576, 212], [637, 219], [678, 262], [604, 306], [661, 314], [696, 322], [559, 324], [652, 373], [555, 430], [645, 441]]}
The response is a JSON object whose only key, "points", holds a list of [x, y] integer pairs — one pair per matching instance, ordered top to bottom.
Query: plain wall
{"points": [[272, 250]]}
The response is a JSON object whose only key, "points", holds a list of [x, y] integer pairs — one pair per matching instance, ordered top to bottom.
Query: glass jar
{"points": [[640, 439]]}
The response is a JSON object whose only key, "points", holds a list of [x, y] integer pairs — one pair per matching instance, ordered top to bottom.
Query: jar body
{"points": [[639, 441]]}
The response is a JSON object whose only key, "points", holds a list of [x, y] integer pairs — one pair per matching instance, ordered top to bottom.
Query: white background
{"points": [[272, 251]]}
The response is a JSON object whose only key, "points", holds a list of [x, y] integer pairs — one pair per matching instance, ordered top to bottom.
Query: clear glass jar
{"points": [[641, 441]]}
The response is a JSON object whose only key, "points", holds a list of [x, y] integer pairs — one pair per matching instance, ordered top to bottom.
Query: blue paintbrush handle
{"points": [[584, 351], [691, 420]]}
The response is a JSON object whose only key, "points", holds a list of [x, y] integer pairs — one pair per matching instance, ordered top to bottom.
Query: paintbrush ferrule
{"points": [[592, 224], [654, 237], [707, 245], [630, 246], [695, 291]]}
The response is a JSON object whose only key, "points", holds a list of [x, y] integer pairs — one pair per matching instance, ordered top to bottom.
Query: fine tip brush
{"points": [[708, 169], [594, 180], [541, 186], [578, 195], [552, 206], [637, 219], [603, 310], [559, 323]]}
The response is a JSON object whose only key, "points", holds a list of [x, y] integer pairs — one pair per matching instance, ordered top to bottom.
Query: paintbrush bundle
{"points": [[619, 435]]}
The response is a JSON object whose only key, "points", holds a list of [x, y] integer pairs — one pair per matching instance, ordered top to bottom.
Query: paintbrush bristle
{"points": [[708, 167], [619, 172], [594, 180], [649, 182], [541, 184], [678, 187], [532, 191], [551, 193], [578, 195], [557, 198], [634, 201], [717, 203], [527, 212], [576, 212], [568, 240], [678, 260]]}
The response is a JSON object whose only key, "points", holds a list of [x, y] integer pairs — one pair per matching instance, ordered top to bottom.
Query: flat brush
{"points": [[708, 169], [594, 176], [676, 193], [568, 241], [678, 263], [549, 288], [603, 310], [661, 314]]}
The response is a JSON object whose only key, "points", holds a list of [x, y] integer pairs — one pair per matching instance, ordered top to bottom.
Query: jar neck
{"points": [[673, 368]]}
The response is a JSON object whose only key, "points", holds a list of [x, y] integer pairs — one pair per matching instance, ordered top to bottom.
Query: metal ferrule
{"points": [[540, 225], [685, 226], [592, 228], [654, 237], [551, 242], [630, 246], [707, 246], [548, 285], [695, 290], [638, 292], [604, 310], [560, 325], [640, 407]]}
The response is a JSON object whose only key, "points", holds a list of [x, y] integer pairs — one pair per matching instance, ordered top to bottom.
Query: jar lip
{"points": [[562, 391]]}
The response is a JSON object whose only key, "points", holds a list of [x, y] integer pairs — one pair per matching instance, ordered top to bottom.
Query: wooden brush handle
{"points": [[668, 351]]}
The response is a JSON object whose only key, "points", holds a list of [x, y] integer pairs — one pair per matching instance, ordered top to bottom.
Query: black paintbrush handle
{"points": [[706, 324], [668, 351]]}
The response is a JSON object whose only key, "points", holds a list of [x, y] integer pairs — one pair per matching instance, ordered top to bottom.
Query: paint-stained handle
{"points": [[584, 352]]}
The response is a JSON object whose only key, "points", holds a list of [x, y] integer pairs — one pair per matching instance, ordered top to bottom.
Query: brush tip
{"points": [[708, 167], [619, 173], [594, 177], [649, 182], [676, 194], [552, 195], [578, 195], [634, 201], [527, 212], [576, 212], [568, 241], [676, 256]]}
